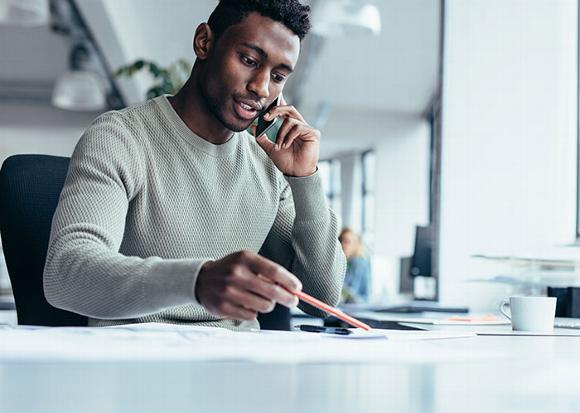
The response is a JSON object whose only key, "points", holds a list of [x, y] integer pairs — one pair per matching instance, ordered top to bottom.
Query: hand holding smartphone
{"points": [[290, 142]]}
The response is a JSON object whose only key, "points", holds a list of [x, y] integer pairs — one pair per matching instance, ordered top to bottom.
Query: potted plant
{"points": [[167, 80]]}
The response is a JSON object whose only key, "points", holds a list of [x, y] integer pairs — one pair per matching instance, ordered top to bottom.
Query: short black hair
{"points": [[291, 13]]}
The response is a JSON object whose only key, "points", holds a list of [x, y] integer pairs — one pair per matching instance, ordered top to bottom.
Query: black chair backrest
{"points": [[30, 186], [277, 319]]}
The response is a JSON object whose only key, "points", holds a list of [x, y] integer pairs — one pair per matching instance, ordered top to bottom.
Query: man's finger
{"points": [[284, 111], [287, 125], [291, 137], [265, 144], [273, 272], [279, 275], [266, 289], [281, 294], [248, 300], [235, 312]]}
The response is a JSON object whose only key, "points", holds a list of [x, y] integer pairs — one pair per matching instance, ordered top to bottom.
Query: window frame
{"points": [[578, 133]]}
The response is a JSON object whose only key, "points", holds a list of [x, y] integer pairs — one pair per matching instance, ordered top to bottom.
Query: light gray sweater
{"points": [[147, 202]]}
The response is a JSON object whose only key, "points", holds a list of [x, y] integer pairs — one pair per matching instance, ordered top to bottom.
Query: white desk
{"points": [[522, 374]]}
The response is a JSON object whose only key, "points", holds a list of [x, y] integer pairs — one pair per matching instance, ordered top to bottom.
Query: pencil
{"points": [[334, 311]]}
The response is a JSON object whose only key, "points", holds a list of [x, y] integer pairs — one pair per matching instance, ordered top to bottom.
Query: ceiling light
{"points": [[24, 12], [332, 18], [80, 89]]}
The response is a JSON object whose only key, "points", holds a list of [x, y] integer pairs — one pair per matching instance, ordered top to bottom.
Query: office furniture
{"points": [[30, 187], [494, 374]]}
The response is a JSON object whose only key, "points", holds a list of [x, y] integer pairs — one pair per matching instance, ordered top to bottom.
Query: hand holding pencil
{"points": [[243, 284]]}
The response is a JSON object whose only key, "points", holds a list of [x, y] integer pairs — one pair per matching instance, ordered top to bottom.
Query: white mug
{"points": [[531, 313]]}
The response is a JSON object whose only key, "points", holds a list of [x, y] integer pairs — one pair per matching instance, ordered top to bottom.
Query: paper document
{"points": [[409, 335], [163, 342]]}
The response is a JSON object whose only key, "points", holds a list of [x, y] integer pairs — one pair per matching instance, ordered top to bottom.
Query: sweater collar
{"points": [[187, 134]]}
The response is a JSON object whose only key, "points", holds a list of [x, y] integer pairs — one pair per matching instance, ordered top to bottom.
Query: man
{"points": [[172, 212]]}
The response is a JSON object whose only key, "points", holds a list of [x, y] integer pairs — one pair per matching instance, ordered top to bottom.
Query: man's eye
{"points": [[248, 61], [278, 78]]}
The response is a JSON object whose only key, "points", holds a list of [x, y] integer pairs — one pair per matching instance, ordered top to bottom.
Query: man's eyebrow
{"points": [[258, 50], [264, 55]]}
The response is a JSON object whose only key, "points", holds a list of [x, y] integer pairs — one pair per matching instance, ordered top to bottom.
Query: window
{"points": [[578, 140], [330, 173], [368, 197]]}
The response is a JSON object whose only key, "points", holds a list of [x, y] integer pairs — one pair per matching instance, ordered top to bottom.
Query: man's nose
{"points": [[260, 84]]}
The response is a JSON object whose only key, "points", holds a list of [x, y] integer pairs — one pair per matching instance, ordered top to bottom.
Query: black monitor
{"points": [[421, 258], [420, 265]]}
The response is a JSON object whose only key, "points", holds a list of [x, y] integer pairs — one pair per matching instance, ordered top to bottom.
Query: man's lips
{"points": [[246, 110]]}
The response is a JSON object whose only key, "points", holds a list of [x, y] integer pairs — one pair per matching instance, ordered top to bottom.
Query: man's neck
{"points": [[190, 106]]}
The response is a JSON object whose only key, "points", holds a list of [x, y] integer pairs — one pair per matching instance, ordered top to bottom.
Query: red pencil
{"points": [[334, 311]]}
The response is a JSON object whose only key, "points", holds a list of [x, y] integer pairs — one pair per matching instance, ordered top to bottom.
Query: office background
{"points": [[494, 82]]}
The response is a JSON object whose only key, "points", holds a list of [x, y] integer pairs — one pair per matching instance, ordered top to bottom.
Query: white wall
{"points": [[39, 129], [509, 135], [402, 195]]}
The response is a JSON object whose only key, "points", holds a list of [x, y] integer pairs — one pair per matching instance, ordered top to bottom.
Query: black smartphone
{"points": [[268, 127], [328, 330]]}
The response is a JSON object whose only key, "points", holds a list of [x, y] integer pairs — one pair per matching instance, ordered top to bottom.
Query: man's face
{"points": [[247, 68]]}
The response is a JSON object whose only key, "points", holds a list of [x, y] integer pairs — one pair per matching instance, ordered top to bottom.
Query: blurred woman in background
{"points": [[357, 278]]}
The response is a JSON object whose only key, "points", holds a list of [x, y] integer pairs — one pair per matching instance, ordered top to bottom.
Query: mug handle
{"points": [[502, 306]]}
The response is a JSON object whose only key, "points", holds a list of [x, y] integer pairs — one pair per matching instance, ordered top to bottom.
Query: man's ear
{"points": [[203, 41]]}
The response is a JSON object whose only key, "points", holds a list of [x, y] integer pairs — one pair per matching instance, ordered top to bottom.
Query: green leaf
{"points": [[154, 69], [122, 71], [167, 86], [154, 92]]}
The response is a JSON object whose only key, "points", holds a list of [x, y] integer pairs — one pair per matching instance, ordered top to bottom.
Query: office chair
{"points": [[30, 187]]}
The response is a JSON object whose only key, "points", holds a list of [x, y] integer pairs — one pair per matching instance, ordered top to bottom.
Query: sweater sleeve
{"points": [[304, 238], [84, 271]]}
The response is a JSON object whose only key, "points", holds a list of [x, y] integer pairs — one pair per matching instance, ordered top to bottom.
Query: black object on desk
{"points": [[568, 303], [323, 329]]}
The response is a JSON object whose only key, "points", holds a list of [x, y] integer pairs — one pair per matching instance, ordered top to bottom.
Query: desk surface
{"points": [[520, 374]]}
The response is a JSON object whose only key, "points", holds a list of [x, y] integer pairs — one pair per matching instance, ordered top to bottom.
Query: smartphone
{"points": [[268, 127], [328, 330]]}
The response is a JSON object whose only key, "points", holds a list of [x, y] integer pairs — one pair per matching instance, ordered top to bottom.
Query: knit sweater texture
{"points": [[147, 202]]}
